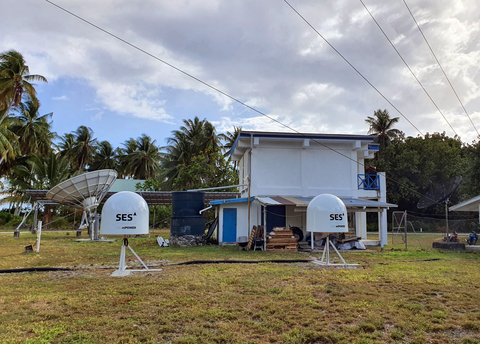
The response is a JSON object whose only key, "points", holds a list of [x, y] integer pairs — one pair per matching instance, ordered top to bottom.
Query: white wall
{"points": [[289, 170], [242, 218]]}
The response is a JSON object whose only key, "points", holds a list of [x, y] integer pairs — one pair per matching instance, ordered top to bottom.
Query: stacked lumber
{"points": [[281, 239]]}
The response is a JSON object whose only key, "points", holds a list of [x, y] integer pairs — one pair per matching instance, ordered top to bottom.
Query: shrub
{"points": [[5, 216], [15, 221], [60, 223]]}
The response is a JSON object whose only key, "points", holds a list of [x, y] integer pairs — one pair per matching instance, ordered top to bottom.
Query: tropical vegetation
{"points": [[195, 155]]}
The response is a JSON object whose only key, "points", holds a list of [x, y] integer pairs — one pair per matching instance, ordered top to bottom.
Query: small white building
{"points": [[282, 172]]}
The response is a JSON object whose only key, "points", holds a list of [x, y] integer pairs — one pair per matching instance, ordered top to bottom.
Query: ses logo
{"points": [[125, 217], [336, 217]]}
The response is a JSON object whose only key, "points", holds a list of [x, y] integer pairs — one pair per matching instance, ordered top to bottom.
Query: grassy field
{"points": [[395, 296]]}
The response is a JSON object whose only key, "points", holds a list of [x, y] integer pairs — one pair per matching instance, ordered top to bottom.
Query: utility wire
{"points": [[399, 55], [438, 62], [356, 70], [235, 99]]}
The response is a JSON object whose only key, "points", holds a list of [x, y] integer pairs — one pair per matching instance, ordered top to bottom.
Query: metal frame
{"points": [[326, 254], [122, 267]]}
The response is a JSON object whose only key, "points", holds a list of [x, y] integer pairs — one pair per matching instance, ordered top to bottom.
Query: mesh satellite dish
{"points": [[85, 192], [440, 193], [126, 213], [327, 214]]}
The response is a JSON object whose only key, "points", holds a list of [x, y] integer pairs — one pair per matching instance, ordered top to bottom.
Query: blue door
{"points": [[230, 225]]}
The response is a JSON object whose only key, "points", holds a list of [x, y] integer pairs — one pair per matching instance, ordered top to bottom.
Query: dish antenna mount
{"points": [[85, 192], [440, 193], [327, 214]]}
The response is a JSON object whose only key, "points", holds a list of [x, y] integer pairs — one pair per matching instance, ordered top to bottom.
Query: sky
{"points": [[259, 52]]}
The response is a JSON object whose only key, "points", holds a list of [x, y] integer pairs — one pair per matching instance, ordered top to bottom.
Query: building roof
{"points": [[237, 150], [151, 197], [357, 204], [472, 204]]}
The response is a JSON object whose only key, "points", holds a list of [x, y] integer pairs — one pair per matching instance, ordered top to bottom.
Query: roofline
{"points": [[306, 135], [311, 136], [464, 203]]}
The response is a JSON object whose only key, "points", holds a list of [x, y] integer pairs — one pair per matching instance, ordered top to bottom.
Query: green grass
{"points": [[395, 296]]}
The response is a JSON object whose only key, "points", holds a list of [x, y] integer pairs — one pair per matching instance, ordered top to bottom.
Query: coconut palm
{"points": [[15, 81], [381, 125], [33, 130], [195, 137], [230, 138], [8, 144], [130, 146], [65, 147], [84, 147], [178, 152], [105, 157], [144, 161], [42, 172]]}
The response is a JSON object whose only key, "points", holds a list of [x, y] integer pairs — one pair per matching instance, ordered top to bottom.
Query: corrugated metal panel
{"points": [[151, 197]]}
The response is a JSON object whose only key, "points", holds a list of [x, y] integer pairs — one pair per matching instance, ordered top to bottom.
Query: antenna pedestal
{"points": [[326, 256], [122, 267]]}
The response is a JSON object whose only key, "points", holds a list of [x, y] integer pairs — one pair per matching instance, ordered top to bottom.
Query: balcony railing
{"points": [[368, 182]]}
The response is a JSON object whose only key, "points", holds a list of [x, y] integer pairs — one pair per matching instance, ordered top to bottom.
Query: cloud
{"points": [[263, 54], [64, 97]]}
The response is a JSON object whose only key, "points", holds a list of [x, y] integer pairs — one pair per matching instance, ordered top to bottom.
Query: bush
{"points": [[160, 216], [5, 217], [15, 221], [60, 223]]}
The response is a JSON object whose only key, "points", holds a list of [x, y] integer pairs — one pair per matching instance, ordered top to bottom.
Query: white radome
{"points": [[125, 213], [327, 214]]}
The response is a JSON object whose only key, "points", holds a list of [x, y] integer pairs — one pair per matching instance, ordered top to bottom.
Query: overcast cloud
{"points": [[259, 52]]}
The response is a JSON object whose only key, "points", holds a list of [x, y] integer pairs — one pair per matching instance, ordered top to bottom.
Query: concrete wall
{"points": [[289, 169], [242, 218]]}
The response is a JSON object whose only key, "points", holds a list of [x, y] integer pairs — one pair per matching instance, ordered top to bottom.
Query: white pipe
{"points": [[219, 187], [201, 211]]}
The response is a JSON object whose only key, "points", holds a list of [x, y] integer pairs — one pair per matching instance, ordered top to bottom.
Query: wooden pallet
{"points": [[281, 239]]}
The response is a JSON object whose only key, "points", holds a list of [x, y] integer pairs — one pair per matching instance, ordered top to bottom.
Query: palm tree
{"points": [[15, 81], [381, 125], [33, 130], [194, 138], [230, 138], [8, 143], [65, 147], [84, 147], [123, 154], [105, 157], [144, 162], [42, 172]]}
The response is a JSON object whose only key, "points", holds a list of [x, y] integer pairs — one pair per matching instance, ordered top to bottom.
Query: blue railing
{"points": [[368, 182]]}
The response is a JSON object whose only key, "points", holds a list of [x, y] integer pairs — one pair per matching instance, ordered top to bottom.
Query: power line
{"points": [[399, 55], [438, 62], [356, 70], [233, 98]]}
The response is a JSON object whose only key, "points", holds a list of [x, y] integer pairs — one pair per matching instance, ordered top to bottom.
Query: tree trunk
{"points": [[47, 217]]}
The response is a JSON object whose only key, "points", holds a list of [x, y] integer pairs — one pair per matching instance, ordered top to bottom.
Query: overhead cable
{"points": [[399, 55], [438, 62], [356, 70], [233, 98]]}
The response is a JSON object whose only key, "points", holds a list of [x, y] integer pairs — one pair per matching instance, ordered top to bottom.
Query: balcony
{"points": [[368, 182]]}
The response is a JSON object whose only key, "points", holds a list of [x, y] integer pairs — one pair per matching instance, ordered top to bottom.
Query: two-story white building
{"points": [[282, 172]]}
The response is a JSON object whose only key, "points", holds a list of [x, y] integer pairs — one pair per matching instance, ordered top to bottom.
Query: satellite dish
{"points": [[85, 192], [440, 193], [125, 213], [327, 214]]}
